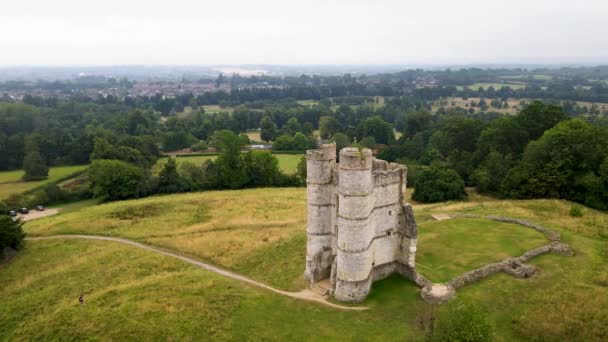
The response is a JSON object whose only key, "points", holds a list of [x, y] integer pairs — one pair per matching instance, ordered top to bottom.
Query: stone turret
{"points": [[359, 228], [320, 230], [355, 231]]}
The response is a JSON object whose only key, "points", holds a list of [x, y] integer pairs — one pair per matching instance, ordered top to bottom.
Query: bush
{"points": [[200, 146], [262, 168], [115, 179], [436, 184], [4, 209], [576, 211], [11, 233], [463, 323]]}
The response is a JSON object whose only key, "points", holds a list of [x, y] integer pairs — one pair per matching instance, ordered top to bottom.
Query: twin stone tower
{"points": [[359, 227]]}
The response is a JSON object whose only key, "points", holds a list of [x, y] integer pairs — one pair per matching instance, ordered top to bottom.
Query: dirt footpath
{"points": [[35, 214]]}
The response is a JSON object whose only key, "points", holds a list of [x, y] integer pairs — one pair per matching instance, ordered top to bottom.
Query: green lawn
{"points": [[288, 163], [10, 181], [261, 233], [441, 256]]}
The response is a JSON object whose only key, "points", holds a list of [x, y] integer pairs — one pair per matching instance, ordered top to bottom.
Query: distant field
{"points": [[524, 77], [495, 85], [308, 102], [514, 104], [216, 108], [254, 136], [288, 163], [10, 181]]}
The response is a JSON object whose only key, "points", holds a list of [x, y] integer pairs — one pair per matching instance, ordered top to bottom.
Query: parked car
{"points": [[39, 208], [24, 211], [12, 213]]}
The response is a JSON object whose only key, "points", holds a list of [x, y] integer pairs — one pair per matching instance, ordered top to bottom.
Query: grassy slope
{"points": [[287, 162], [10, 181], [261, 233], [136, 295]]}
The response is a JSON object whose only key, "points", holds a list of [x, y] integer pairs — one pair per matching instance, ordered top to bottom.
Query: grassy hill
{"points": [[260, 233]]}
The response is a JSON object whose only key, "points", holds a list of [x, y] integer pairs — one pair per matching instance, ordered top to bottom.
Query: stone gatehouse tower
{"points": [[359, 228]]}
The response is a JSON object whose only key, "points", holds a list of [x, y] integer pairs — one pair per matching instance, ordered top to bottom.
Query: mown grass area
{"points": [[288, 163], [10, 181], [261, 233], [452, 247]]}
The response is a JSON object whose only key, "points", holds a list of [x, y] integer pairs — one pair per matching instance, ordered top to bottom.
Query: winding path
{"points": [[306, 294]]}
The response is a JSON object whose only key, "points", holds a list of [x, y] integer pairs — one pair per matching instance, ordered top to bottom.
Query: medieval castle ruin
{"points": [[359, 228]]}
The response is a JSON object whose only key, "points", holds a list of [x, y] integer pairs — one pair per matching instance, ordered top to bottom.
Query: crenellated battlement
{"points": [[359, 228]]}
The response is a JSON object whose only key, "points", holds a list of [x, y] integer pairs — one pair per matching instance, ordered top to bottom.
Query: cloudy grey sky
{"points": [[196, 32]]}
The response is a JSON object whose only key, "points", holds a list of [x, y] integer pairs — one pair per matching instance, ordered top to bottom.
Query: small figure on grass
{"points": [[81, 299]]}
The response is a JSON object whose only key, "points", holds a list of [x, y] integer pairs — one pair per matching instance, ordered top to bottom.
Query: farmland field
{"points": [[496, 86], [287, 162], [10, 181]]}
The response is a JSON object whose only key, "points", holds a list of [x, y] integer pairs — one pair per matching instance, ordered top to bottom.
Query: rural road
{"points": [[307, 294]]}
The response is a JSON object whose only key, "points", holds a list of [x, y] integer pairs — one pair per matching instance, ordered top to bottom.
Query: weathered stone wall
{"points": [[320, 165], [359, 229]]}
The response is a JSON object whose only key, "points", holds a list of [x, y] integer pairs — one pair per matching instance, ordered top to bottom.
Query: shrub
{"points": [[200, 146], [34, 166], [115, 179], [436, 184], [4, 209], [576, 211], [11, 233], [463, 323]]}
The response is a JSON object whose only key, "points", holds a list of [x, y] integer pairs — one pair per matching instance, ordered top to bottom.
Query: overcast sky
{"points": [[198, 32]]}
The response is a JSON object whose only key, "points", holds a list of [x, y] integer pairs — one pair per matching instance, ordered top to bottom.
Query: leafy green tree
{"points": [[537, 117], [416, 122], [328, 126], [292, 127], [377, 128], [268, 129], [177, 140], [341, 141], [301, 142], [368, 142], [283, 143], [201, 145], [104, 150], [568, 161], [34, 166], [262, 167], [231, 169], [301, 170], [492, 171], [115, 179], [169, 180], [437, 184], [11, 233]]}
